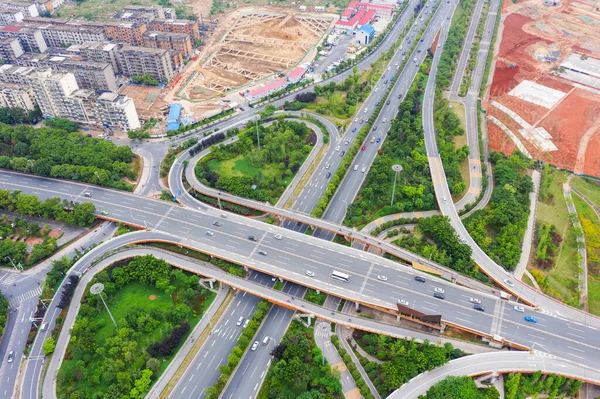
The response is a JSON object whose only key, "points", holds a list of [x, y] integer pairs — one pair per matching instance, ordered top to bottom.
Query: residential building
{"points": [[47, 6], [28, 8], [156, 11], [127, 16], [10, 17], [367, 18], [352, 23], [176, 26], [128, 32], [68, 34], [31, 39], [169, 40], [10, 50], [99, 52], [176, 59], [144, 60], [15, 74], [90, 74], [52, 90], [266, 90], [17, 96], [117, 110]]}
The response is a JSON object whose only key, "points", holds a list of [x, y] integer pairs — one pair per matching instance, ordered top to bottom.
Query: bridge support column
{"points": [[219, 202], [281, 221], [210, 281], [356, 306]]}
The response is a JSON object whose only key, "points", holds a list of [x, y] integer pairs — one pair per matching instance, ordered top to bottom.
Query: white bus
{"points": [[340, 276]]}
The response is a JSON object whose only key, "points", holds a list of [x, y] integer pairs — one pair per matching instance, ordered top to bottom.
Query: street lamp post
{"points": [[396, 168], [97, 290]]}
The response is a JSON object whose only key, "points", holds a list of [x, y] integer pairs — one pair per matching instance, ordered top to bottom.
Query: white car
{"points": [[389, 68], [377, 88], [356, 120], [384, 120], [347, 142], [338, 148], [327, 166], [355, 167], [364, 168], [209, 233], [278, 237], [310, 274], [382, 278], [509, 283], [438, 290], [474, 300], [403, 302], [519, 308], [240, 321], [246, 323], [255, 345]]}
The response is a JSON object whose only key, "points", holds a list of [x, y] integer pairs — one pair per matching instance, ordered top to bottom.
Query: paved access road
{"points": [[499, 362], [204, 371]]}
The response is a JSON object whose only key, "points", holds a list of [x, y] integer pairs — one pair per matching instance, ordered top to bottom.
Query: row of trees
{"points": [[144, 79], [13, 115], [404, 145], [56, 153], [261, 175], [51, 208], [499, 228], [439, 241], [17, 249], [3, 313], [237, 352], [401, 359], [108, 362], [296, 371], [356, 375], [520, 386], [459, 387]]}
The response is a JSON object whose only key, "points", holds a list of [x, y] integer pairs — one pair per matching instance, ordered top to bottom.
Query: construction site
{"points": [[255, 45], [542, 99]]}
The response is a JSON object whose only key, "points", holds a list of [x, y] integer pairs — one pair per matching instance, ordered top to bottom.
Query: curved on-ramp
{"points": [[496, 363]]}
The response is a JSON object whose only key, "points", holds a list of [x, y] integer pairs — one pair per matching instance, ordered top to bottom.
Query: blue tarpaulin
{"points": [[174, 113], [173, 126]]}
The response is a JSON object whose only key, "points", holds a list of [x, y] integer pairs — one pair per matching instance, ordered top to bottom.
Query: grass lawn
{"points": [[459, 141], [238, 166], [587, 188], [554, 211], [593, 252], [146, 297], [314, 297]]}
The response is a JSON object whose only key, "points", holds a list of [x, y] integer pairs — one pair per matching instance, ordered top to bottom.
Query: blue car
{"points": [[354, 129], [378, 139], [530, 319]]}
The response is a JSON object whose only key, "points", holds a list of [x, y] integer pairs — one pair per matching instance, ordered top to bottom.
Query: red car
{"points": [[363, 148]]}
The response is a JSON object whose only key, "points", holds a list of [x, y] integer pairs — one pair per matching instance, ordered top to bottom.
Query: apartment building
{"points": [[28, 8], [156, 11], [126, 16], [10, 17], [176, 26], [128, 32], [61, 35], [31, 39], [169, 40], [10, 50], [99, 52], [144, 60], [14, 74], [90, 74], [51, 90], [17, 96], [116, 110]]}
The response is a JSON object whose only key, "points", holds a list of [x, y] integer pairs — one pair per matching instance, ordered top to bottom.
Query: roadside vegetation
{"points": [[14, 115], [447, 123], [404, 145], [55, 152], [242, 169], [587, 187], [590, 224], [498, 229], [434, 238], [25, 243], [554, 264], [314, 297], [155, 307], [3, 313], [237, 352], [401, 359], [297, 370], [356, 375], [520, 386], [459, 387]]}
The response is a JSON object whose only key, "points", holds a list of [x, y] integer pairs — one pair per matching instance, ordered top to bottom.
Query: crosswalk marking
{"points": [[8, 279], [26, 296]]}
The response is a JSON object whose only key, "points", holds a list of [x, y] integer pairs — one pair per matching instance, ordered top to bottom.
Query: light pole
{"points": [[257, 135], [396, 168], [97, 290]]}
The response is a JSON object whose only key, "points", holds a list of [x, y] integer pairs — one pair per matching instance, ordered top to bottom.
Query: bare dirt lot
{"points": [[535, 40], [250, 44]]}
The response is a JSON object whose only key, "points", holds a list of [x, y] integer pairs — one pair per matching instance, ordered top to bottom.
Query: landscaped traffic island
{"points": [[261, 173], [155, 307]]}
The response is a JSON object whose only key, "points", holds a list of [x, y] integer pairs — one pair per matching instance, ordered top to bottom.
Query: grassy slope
{"points": [[459, 141], [585, 211], [555, 212]]}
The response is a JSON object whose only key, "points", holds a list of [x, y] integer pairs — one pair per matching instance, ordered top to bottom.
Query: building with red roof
{"points": [[381, 10], [367, 18], [352, 24], [296, 74], [264, 91]]}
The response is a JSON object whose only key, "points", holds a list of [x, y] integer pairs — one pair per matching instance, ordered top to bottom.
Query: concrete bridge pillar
{"points": [[356, 306]]}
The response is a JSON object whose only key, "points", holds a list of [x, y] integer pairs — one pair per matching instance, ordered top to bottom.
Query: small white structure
{"points": [[302, 8], [319, 8]]}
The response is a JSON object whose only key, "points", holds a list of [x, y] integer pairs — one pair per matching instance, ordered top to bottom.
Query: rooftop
{"points": [[268, 87]]}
